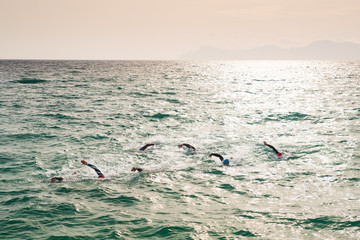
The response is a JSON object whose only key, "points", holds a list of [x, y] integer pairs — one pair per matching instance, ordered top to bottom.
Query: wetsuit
{"points": [[146, 146], [189, 146], [191, 149], [274, 149], [217, 155], [224, 161], [134, 169], [99, 173], [54, 179]]}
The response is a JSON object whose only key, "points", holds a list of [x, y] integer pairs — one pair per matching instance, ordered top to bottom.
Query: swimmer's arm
{"points": [[187, 145], [146, 146], [272, 147], [217, 155], [98, 172]]}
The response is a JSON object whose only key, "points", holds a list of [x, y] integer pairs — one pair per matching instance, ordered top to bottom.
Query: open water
{"points": [[55, 113]]}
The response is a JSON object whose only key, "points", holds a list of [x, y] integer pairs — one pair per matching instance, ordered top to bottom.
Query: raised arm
{"points": [[187, 145], [146, 146], [274, 149], [217, 155], [98, 172]]}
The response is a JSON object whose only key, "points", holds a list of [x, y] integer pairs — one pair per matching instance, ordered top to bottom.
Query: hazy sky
{"points": [[165, 29]]}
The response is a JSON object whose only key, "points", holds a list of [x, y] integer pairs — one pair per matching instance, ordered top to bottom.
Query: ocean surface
{"points": [[55, 113]]}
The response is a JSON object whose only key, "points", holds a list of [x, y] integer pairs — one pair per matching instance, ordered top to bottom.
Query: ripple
{"points": [[31, 81], [104, 111], [123, 200], [335, 223], [163, 232]]}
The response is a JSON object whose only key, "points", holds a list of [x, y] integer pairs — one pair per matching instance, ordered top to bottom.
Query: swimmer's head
{"points": [[180, 146], [279, 154], [226, 162], [134, 169], [101, 176], [54, 179]]}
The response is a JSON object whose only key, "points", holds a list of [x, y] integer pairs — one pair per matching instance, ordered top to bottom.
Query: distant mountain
{"points": [[319, 50]]}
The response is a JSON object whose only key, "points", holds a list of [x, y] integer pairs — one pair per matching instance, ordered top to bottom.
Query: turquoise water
{"points": [[56, 113]]}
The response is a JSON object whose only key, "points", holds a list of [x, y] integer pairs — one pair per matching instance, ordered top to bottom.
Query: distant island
{"points": [[319, 50]]}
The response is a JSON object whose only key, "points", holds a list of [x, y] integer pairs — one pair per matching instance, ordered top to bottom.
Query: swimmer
{"points": [[146, 146], [191, 149], [278, 154], [224, 161], [134, 169], [99, 173], [54, 179], [59, 179]]}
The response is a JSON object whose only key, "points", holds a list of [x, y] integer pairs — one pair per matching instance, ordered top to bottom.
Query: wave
{"points": [[31, 81], [169, 93], [140, 94], [170, 100], [59, 116], [159, 116], [291, 116], [28, 136], [96, 137], [19, 200], [123, 200], [335, 223], [168, 232], [245, 233]]}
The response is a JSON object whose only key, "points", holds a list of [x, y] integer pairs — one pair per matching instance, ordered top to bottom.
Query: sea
{"points": [[53, 114]]}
